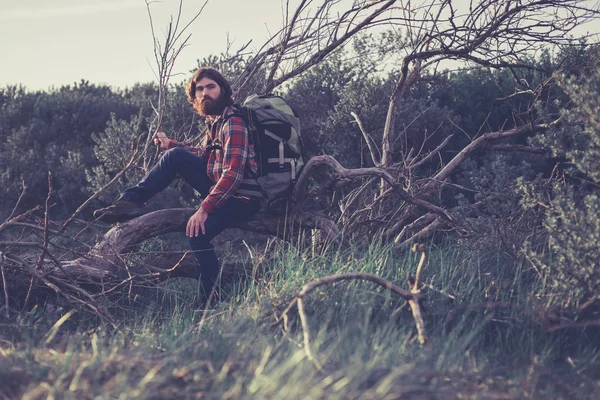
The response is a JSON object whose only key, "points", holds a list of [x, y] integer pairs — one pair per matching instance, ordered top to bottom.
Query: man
{"points": [[215, 169]]}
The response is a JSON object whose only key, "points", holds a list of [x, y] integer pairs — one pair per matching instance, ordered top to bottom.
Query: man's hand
{"points": [[161, 140], [195, 224]]}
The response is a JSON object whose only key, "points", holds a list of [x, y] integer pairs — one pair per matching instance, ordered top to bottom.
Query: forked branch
{"points": [[411, 296]]}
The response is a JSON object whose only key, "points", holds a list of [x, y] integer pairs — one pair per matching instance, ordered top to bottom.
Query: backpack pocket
{"points": [[276, 184]]}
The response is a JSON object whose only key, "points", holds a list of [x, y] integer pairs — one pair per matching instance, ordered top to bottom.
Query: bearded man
{"points": [[215, 169]]}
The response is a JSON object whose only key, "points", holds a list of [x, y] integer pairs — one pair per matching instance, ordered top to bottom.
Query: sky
{"points": [[50, 43]]}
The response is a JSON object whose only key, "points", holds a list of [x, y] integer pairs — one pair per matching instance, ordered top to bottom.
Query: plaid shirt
{"points": [[226, 166]]}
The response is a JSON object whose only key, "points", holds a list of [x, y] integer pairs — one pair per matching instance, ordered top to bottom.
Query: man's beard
{"points": [[209, 106]]}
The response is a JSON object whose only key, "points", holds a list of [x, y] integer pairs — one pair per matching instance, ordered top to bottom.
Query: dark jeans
{"points": [[193, 170]]}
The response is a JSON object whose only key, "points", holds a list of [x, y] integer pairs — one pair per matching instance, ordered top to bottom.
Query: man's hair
{"points": [[211, 73]]}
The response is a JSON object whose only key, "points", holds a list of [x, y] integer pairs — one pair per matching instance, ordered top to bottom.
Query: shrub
{"points": [[571, 202]]}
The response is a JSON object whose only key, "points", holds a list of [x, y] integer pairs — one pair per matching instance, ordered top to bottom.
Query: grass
{"points": [[485, 340]]}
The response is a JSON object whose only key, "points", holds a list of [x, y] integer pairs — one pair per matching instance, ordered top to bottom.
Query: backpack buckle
{"points": [[214, 145]]}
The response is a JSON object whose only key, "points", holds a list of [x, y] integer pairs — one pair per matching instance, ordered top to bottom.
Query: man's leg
{"points": [[175, 161], [233, 210]]}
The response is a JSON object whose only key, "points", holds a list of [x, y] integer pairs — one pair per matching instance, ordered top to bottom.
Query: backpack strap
{"points": [[237, 112], [214, 145]]}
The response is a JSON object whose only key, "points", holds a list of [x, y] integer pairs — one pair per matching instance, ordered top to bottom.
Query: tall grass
{"points": [[485, 340]]}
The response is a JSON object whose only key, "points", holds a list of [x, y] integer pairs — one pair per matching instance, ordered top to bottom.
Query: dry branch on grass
{"points": [[411, 296]]}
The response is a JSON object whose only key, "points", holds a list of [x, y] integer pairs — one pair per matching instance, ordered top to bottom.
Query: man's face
{"points": [[208, 97]]}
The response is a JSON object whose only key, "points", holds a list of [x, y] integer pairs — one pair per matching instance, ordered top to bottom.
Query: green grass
{"points": [[485, 340]]}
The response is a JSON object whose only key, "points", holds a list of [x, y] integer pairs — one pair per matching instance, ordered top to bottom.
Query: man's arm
{"points": [[161, 140]]}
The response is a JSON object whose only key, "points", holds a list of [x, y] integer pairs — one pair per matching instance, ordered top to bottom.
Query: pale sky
{"points": [[46, 43], [49, 43]]}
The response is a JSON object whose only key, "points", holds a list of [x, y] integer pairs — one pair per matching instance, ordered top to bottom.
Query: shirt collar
{"points": [[213, 120]]}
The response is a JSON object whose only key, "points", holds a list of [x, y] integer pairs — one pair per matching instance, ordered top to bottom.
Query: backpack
{"points": [[275, 132]]}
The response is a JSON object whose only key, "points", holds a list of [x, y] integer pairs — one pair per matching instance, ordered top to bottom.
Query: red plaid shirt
{"points": [[226, 166]]}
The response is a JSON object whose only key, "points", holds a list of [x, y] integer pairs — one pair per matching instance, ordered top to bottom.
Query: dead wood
{"points": [[106, 267], [411, 296]]}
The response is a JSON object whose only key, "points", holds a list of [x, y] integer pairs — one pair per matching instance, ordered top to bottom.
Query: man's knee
{"points": [[175, 153], [175, 158], [199, 243]]}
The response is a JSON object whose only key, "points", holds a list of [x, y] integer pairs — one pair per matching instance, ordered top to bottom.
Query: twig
{"points": [[165, 57], [369, 140], [480, 142], [515, 147], [431, 153], [128, 165], [338, 172], [23, 189], [46, 214], [18, 217], [430, 228], [419, 248], [4, 285], [58, 291], [415, 291], [28, 296], [412, 297], [306, 333]]}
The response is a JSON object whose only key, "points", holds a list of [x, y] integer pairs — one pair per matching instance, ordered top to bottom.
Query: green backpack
{"points": [[275, 132]]}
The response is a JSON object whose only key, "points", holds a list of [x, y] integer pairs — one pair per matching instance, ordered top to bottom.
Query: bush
{"points": [[571, 202]]}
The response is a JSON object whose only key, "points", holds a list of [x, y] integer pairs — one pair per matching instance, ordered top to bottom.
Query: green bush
{"points": [[571, 203]]}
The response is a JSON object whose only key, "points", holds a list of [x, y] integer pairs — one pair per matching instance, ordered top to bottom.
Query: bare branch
{"points": [[308, 39], [165, 56], [406, 80], [478, 143], [514, 147], [431, 154], [375, 157], [130, 163], [340, 174], [23, 188], [423, 233], [4, 286], [412, 297]]}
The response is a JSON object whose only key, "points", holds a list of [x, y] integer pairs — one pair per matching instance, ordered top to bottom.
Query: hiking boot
{"points": [[120, 211]]}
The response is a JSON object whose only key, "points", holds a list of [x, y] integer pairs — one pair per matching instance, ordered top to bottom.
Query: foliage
{"points": [[314, 95], [52, 131], [83, 134], [114, 146], [486, 189], [571, 201], [497, 223], [570, 262]]}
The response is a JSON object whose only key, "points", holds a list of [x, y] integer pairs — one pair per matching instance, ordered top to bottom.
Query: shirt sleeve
{"points": [[234, 136], [197, 151]]}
